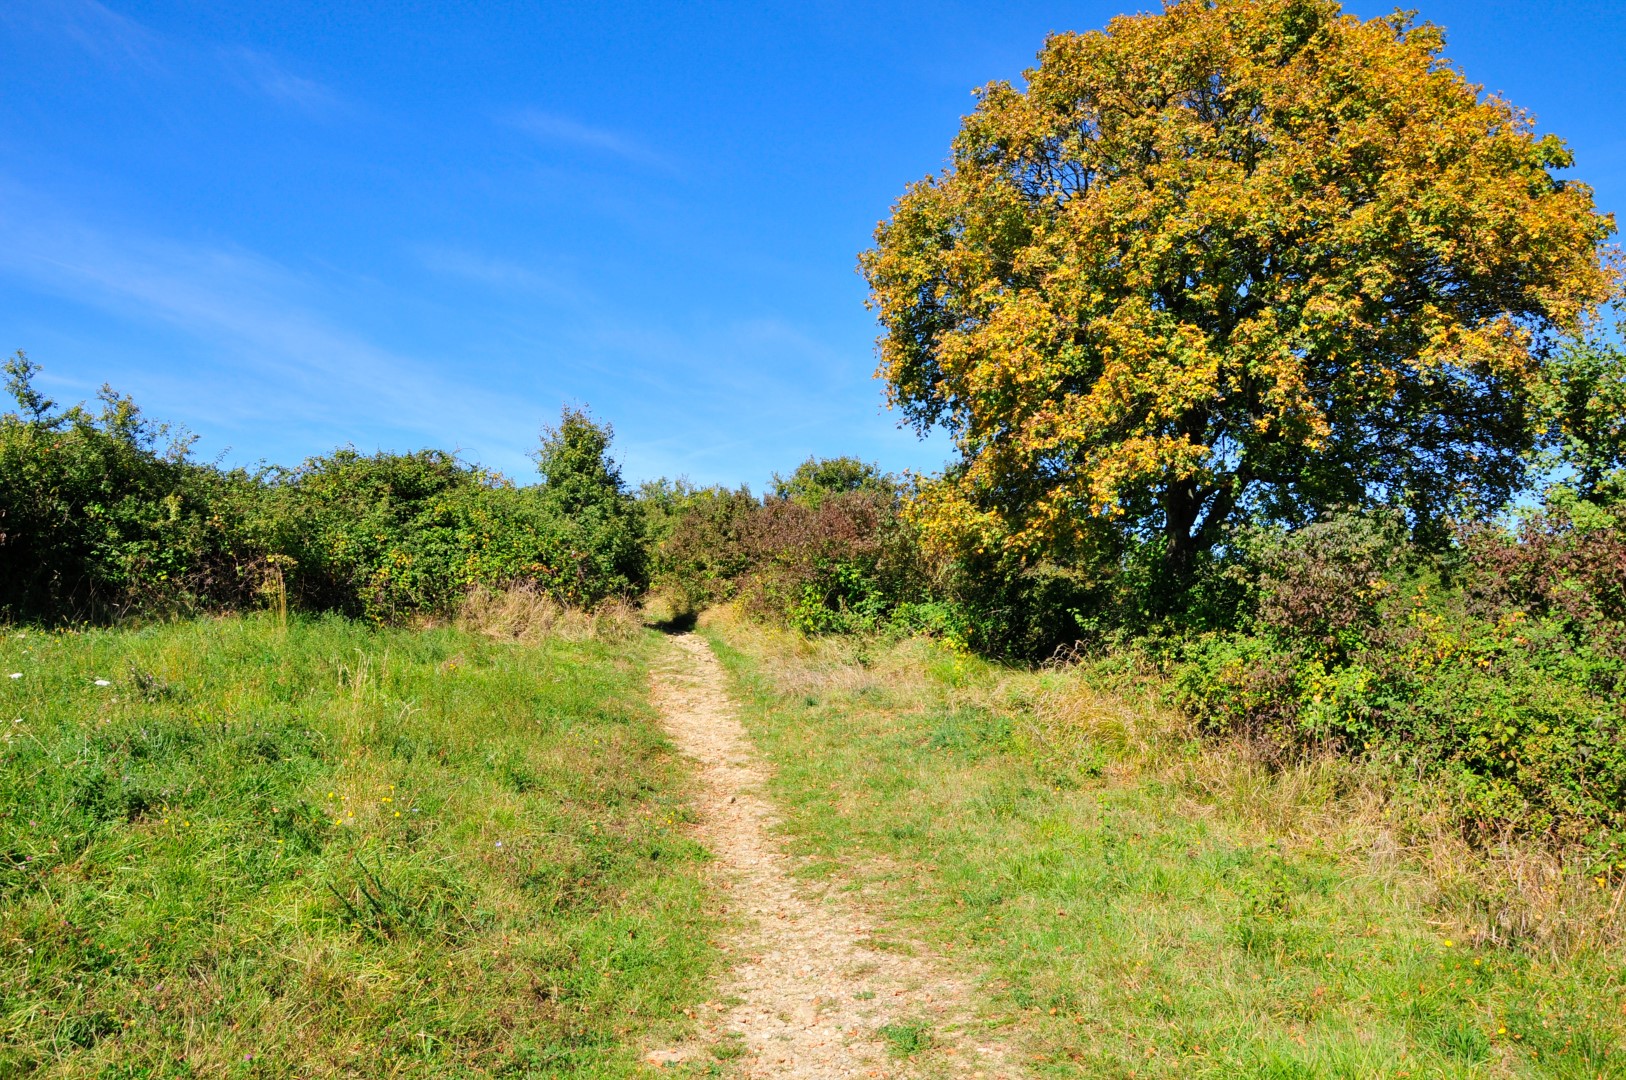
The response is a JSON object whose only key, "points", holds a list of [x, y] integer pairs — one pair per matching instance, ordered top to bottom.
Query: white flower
{"points": [[103, 682]]}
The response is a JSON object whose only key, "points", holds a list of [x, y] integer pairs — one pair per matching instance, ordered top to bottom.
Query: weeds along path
{"points": [[807, 998]]}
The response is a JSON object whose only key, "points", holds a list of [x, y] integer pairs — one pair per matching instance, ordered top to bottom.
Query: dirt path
{"points": [[807, 998]]}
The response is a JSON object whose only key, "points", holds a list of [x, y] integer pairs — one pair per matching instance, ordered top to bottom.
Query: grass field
{"points": [[229, 848], [236, 848], [1183, 913]]}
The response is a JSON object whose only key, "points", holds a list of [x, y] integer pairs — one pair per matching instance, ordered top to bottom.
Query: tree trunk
{"points": [[1180, 507]]}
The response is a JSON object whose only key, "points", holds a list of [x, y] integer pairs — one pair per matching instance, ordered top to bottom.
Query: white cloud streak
{"points": [[111, 38], [122, 44], [258, 72], [554, 128], [502, 275], [278, 358]]}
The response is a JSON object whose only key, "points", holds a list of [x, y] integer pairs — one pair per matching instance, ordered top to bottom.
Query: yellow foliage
{"points": [[1247, 253]]}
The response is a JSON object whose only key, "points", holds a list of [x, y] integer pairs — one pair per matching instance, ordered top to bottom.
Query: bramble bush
{"points": [[104, 515], [388, 536], [697, 537], [827, 551], [1493, 668]]}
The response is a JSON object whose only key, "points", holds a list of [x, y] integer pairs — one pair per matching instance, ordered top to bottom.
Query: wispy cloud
{"points": [[111, 38], [123, 44], [260, 73], [554, 128], [501, 274], [275, 357], [703, 400]]}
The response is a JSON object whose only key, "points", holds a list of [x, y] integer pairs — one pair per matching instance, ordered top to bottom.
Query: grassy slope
{"points": [[332, 850], [1191, 920]]}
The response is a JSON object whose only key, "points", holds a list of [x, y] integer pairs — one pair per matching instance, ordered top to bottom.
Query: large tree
{"points": [[1241, 256]]}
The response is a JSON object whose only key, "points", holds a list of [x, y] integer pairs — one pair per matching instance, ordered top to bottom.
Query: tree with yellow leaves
{"points": [[1241, 257]]}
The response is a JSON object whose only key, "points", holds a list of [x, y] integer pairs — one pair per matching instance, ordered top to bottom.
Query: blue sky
{"points": [[291, 226]]}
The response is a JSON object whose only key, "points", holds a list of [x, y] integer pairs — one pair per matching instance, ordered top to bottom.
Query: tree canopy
{"points": [[1240, 256], [1585, 407], [578, 473], [816, 479], [582, 489]]}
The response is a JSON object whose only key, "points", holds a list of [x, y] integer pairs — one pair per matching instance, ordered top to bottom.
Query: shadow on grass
{"points": [[681, 623]]}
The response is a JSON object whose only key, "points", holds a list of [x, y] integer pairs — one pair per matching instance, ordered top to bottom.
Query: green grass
{"points": [[338, 851], [1184, 918], [904, 1040]]}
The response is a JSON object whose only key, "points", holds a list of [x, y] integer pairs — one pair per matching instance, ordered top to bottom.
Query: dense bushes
{"points": [[103, 512], [103, 515], [390, 535], [699, 548], [826, 551], [840, 563], [1489, 668], [1493, 669]]}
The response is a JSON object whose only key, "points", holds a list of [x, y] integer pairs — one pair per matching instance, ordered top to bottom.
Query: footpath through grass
{"points": [[231, 849], [1191, 916]]}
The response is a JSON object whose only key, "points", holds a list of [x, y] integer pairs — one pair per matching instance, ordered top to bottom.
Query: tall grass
{"points": [[250, 847], [1151, 903]]}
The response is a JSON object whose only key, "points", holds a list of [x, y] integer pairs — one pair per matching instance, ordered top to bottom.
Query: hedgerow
{"points": [[105, 514], [1495, 668]]}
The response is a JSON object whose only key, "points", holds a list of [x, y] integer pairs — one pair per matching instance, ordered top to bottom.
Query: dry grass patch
{"points": [[528, 615]]}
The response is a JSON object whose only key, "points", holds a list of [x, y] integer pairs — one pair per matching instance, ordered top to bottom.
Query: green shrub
{"points": [[817, 479], [104, 513], [598, 520], [388, 535], [391, 535], [699, 545], [827, 553], [838, 563], [1026, 613], [1496, 671]]}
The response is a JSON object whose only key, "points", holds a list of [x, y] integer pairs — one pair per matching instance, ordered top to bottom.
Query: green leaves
{"points": [[20, 372], [1582, 403], [816, 479], [104, 514]]}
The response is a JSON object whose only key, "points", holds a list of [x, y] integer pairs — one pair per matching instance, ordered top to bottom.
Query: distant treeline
{"points": [[1490, 660]]}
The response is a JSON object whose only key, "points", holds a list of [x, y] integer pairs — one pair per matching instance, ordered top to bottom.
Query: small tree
{"points": [[1241, 256], [1584, 405], [36, 408], [577, 471], [816, 479], [581, 484], [104, 512]]}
